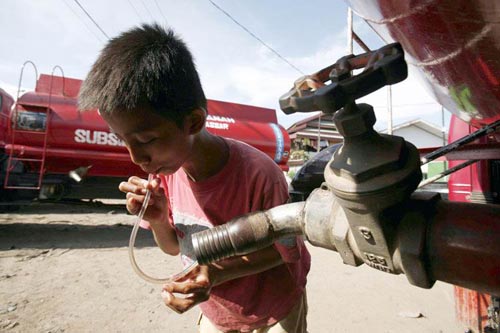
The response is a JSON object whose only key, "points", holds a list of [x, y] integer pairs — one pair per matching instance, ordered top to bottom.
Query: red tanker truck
{"points": [[47, 146]]}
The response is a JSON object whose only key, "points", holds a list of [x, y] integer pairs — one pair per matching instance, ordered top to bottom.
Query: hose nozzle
{"points": [[247, 233], [240, 236]]}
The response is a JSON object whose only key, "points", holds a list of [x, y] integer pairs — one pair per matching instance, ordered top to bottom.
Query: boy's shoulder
{"points": [[250, 155], [248, 162]]}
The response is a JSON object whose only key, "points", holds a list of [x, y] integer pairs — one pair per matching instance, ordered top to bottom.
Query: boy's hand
{"points": [[135, 189], [194, 288]]}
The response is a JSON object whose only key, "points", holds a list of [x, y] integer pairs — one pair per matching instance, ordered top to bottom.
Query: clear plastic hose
{"points": [[131, 244]]}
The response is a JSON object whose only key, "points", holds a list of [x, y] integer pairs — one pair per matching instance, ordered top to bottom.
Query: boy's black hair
{"points": [[144, 66]]}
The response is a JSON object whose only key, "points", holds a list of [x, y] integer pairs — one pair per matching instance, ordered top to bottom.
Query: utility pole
{"points": [[349, 31], [389, 110], [318, 146]]}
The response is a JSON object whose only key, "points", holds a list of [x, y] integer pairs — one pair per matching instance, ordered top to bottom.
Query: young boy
{"points": [[147, 89]]}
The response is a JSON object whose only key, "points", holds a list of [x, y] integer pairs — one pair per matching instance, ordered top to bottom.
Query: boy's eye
{"points": [[146, 140]]}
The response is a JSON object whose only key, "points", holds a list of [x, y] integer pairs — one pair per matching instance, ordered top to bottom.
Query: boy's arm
{"points": [[156, 216], [163, 230], [166, 238], [249, 264], [196, 286]]}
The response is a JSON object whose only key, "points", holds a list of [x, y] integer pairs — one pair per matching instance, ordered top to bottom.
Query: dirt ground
{"points": [[66, 269]]}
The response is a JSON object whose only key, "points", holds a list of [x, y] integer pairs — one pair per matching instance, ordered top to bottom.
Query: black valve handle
{"points": [[382, 67]]}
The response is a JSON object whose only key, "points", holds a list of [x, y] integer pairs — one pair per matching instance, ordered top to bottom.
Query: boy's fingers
{"points": [[136, 180], [140, 183], [156, 183], [138, 186], [131, 187], [155, 187], [137, 198], [134, 202], [132, 208], [185, 287], [169, 299], [180, 304]]}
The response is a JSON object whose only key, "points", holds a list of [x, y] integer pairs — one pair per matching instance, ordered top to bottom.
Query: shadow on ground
{"points": [[62, 207], [69, 236]]}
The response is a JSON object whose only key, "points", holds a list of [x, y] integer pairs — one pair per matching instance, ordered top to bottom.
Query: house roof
{"points": [[326, 121], [422, 124], [308, 128], [314, 135]]}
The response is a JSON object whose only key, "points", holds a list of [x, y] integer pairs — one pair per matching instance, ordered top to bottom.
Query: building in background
{"points": [[319, 128], [421, 133], [310, 135], [424, 135]]}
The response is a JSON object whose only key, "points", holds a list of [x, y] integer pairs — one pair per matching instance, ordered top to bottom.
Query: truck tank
{"points": [[45, 127]]}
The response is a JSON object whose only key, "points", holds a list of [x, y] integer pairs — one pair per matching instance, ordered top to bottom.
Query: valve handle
{"points": [[382, 67]]}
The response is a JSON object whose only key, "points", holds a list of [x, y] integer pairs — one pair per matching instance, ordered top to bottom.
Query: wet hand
{"points": [[135, 190], [188, 291]]}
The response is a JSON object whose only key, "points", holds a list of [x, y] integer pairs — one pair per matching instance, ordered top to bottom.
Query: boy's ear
{"points": [[196, 120]]}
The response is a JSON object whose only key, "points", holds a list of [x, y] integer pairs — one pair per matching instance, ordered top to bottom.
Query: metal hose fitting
{"points": [[248, 233]]}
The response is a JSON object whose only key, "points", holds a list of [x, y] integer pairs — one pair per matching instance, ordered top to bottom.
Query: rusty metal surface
{"points": [[463, 245]]}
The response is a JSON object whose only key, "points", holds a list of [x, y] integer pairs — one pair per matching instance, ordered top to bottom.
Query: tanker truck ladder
{"points": [[36, 155], [18, 163]]}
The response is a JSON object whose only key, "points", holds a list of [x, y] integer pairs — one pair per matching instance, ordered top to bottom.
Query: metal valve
{"points": [[382, 67]]}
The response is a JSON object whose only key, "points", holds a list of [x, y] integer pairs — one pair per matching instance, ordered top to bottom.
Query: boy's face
{"points": [[154, 143]]}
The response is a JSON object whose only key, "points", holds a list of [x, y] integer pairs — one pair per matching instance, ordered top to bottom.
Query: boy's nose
{"points": [[139, 156]]}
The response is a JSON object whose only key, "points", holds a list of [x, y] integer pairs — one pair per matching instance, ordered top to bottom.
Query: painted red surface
{"points": [[452, 43], [6, 102], [474, 178], [471, 307]]}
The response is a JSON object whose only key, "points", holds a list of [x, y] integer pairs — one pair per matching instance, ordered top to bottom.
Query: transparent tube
{"points": [[131, 244]]}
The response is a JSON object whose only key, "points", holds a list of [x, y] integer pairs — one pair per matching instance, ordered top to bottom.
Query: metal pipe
{"points": [[248, 233], [452, 242], [463, 245]]}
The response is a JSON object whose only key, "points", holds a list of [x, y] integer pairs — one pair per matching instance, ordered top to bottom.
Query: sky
{"points": [[234, 59]]}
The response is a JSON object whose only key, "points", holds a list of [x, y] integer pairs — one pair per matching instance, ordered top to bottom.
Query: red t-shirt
{"points": [[250, 181]]}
